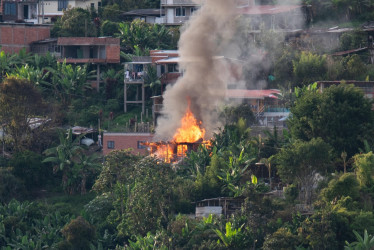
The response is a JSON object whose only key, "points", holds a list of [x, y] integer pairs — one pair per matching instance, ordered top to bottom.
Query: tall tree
{"points": [[19, 103], [341, 116], [301, 162]]}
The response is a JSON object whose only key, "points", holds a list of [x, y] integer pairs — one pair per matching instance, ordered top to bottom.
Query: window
{"points": [[62, 5], [92, 5], [99, 5], [10, 9], [193, 9], [180, 11], [173, 68], [111, 144]]}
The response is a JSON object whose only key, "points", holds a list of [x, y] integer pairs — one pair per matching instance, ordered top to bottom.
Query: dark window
{"points": [[99, 4], [62, 5], [92, 5], [10, 9], [193, 9], [180, 12], [172, 68], [111, 144], [140, 145]]}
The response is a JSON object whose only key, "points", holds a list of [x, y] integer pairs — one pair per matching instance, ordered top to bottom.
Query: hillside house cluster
{"points": [[34, 36]]}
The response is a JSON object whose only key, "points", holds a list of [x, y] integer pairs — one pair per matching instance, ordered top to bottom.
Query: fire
{"points": [[190, 130], [187, 137], [164, 152]]}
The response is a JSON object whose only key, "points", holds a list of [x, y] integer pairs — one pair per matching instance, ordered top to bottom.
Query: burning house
{"points": [[187, 137]]}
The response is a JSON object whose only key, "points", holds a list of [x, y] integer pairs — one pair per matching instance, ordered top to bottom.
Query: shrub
{"points": [[10, 186], [78, 233]]}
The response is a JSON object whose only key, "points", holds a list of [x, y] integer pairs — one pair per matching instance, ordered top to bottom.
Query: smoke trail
{"points": [[205, 77]]}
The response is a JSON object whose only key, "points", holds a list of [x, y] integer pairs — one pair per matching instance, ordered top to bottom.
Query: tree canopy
{"points": [[341, 116]]}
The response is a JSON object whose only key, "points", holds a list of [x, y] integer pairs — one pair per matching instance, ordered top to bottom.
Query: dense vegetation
{"points": [[56, 193]]}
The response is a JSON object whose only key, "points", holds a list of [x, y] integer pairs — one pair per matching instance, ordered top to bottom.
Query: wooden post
{"points": [[125, 97]]}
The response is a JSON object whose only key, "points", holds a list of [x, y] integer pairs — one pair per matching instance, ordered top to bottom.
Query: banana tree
{"points": [[63, 156]]}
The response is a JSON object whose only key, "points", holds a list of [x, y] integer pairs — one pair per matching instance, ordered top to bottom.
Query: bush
{"points": [[28, 167], [10, 186], [291, 193], [78, 234], [281, 239]]}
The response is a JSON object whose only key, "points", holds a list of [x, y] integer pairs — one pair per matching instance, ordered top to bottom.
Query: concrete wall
{"points": [[14, 37], [125, 141]]}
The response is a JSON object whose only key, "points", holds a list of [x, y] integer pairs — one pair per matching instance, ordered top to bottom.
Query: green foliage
{"points": [[112, 15], [75, 22], [108, 28], [142, 36], [352, 40], [309, 68], [19, 102], [233, 114], [341, 116], [69, 158], [301, 161], [364, 164], [28, 166], [10, 186], [344, 186], [291, 193], [30, 226], [79, 234], [232, 237], [281, 239], [148, 242], [362, 243]]}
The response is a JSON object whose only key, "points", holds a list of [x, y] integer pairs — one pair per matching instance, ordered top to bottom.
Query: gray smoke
{"points": [[215, 30], [205, 76]]}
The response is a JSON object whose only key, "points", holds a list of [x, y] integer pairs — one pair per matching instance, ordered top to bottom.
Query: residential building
{"points": [[50, 9], [18, 10], [177, 12], [275, 17], [17, 36], [94, 50], [166, 63], [120, 141]]}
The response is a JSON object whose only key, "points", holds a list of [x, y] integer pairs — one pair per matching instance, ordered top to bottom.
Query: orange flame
{"points": [[190, 130], [164, 152]]}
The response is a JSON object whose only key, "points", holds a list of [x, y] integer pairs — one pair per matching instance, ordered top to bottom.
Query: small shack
{"points": [[217, 206]]}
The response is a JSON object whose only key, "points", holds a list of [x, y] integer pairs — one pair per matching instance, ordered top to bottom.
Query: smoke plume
{"points": [[215, 30], [204, 77]]}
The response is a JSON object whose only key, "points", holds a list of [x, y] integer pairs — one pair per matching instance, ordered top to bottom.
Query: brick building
{"points": [[17, 36], [89, 49], [95, 50], [118, 141]]}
